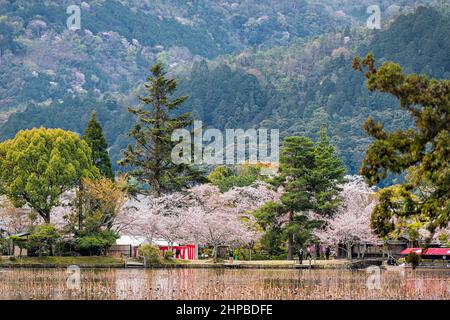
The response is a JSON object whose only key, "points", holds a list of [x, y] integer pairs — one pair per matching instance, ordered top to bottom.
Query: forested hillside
{"points": [[119, 40], [285, 66], [310, 83]]}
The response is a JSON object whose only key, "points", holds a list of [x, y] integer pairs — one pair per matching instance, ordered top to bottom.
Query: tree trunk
{"points": [[80, 208], [45, 215], [291, 239], [291, 246], [196, 248], [349, 251], [365, 251]]}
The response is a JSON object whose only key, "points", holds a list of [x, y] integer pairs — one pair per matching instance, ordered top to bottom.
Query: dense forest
{"points": [[286, 66]]}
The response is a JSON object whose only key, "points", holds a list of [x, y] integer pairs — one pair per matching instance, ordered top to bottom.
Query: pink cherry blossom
{"points": [[201, 214], [351, 224]]}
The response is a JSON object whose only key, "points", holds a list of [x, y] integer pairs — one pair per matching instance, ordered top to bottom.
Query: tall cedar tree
{"points": [[94, 137], [422, 152], [150, 158], [328, 175], [311, 176]]}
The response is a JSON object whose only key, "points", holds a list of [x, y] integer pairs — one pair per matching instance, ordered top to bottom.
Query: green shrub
{"points": [[224, 178], [42, 240], [95, 243], [4, 246], [65, 248], [207, 252], [151, 253], [168, 255], [413, 259]]}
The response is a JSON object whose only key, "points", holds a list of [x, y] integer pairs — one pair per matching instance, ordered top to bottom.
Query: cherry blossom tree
{"points": [[202, 215], [14, 220], [351, 224]]}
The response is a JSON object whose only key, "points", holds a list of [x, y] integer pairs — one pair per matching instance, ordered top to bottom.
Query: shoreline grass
{"points": [[56, 261], [106, 262], [117, 262]]}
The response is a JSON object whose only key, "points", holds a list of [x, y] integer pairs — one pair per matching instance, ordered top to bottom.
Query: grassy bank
{"points": [[56, 262], [115, 262], [269, 264]]}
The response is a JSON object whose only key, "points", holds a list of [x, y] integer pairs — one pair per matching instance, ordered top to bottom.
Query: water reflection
{"points": [[222, 284]]}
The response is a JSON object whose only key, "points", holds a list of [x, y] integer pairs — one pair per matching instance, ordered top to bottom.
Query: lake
{"points": [[238, 284]]}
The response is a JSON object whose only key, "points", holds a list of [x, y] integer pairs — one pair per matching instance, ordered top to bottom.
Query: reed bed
{"points": [[212, 284]]}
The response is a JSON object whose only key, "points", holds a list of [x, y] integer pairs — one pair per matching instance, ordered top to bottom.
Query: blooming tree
{"points": [[201, 214], [14, 220], [351, 224]]}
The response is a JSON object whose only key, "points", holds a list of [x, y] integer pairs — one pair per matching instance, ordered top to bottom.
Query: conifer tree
{"points": [[95, 138], [422, 152], [150, 157], [296, 165], [311, 175], [328, 175]]}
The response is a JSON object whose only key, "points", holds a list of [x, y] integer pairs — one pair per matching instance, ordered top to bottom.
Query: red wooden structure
{"points": [[187, 252], [444, 253]]}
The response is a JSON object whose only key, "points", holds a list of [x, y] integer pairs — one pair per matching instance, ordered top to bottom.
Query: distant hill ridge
{"points": [[58, 77]]}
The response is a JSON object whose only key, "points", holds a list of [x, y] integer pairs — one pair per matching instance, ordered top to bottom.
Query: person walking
{"points": [[312, 251], [308, 253], [327, 253], [300, 255], [231, 256]]}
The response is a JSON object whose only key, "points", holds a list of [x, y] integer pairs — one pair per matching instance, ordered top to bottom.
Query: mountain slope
{"points": [[296, 88]]}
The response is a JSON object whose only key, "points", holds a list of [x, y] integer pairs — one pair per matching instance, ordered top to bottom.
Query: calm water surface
{"points": [[223, 284]]}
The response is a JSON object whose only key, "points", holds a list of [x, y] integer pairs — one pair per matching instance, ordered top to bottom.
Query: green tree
{"points": [[93, 135], [423, 152], [150, 158], [39, 165], [296, 165], [219, 173], [310, 174], [327, 176], [225, 178], [97, 204], [268, 217], [42, 240], [95, 242], [151, 253], [413, 259]]}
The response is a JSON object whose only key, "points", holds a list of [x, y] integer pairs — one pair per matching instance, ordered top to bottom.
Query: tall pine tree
{"points": [[95, 138], [422, 152], [150, 157], [296, 165], [310, 174], [328, 175]]}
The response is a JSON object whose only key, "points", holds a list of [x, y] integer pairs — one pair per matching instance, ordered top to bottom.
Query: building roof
{"points": [[22, 234], [137, 241], [428, 252]]}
